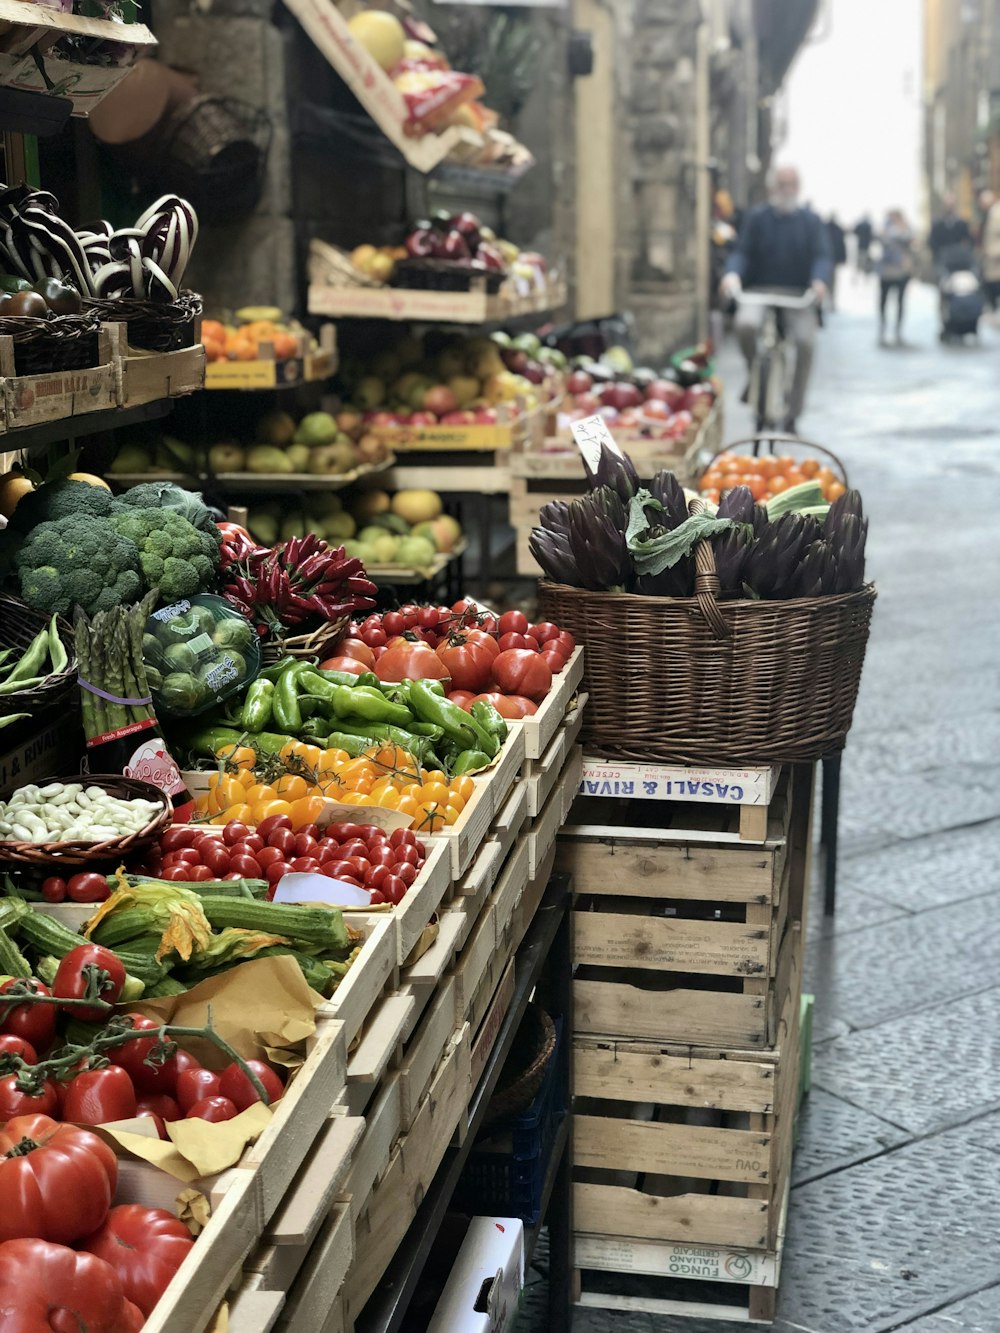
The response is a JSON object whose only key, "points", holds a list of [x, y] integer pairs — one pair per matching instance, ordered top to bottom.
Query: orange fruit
{"points": [[785, 462], [768, 465], [809, 467], [794, 476], [825, 476], [779, 483], [757, 487], [834, 491], [712, 495], [463, 786], [434, 791], [408, 805], [430, 817]]}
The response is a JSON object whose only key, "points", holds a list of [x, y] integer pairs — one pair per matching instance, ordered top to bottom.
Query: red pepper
{"points": [[363, 586]]}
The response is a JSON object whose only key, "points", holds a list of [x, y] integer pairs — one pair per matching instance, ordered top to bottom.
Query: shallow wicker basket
{"points": [[153, 326], [58, 342], [18, 626], [317, 643], [695, 680], [54, 855], [524, 1073]]}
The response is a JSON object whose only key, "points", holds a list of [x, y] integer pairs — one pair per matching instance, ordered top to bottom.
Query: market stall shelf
{"points": [[475, 306], [308, 365], [145, 377], [540, 728]]}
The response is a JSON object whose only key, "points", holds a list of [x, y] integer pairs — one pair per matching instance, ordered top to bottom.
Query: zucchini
{"points": [[12, 910], [123, 927], [321, 927], [47, 935], [12, 961], [143, 966], [165, 986]]}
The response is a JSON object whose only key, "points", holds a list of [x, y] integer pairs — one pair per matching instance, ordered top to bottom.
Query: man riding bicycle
{"points": [[785, 249]]}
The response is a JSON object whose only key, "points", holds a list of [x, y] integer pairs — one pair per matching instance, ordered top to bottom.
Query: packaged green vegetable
{"points": [[208, 653]]}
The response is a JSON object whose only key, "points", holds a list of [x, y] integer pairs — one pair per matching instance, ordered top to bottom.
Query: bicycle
{"points": [[769, 373]]}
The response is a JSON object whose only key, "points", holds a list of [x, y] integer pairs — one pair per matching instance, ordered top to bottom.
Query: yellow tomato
{"points": [[237, 756], [291, 786], [463, 786], [260, 791], [434, 791], [262, 810], [305, 810], [430, 817]]}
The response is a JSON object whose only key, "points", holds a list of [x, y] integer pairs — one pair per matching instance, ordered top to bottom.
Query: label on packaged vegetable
{"points": [[589, 434], [168, 612]]}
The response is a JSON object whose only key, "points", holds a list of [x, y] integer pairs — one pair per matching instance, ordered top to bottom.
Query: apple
{"points": [[467, 225], [421, 243], [452, 245], [490, 257], [514, 359], [534, 372], [579, 382], [665, 391], [440, 400], [587, 403], [654, 409], [463, 417], [423, 419], [350, 422], [678, 425]]}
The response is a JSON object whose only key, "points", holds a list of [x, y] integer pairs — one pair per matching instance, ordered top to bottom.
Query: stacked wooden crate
{"points": [[688, 932], [417, 1016]]}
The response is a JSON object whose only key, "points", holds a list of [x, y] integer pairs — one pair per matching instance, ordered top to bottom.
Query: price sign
{"points": [[589, 434]]}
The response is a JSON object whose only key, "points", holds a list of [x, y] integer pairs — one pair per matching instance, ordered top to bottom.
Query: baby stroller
{"points": [[962, 300]]}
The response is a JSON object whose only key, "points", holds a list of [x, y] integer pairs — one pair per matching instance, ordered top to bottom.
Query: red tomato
{"points": [[393, 622], [513, 622], [545, 631], [480, 636], [374, 637], [517, 641], [567, 641], [356, 649], [553, 657], [408, 659], [467, 663], [349, 665], [520, 671], [463, 698], [502, 703], [267, 826], [343, 832], [234, 833], [369, 833], [177, 835], [402, 837], [283, 839], [252, 843], [304, 845], [354, 847], [327, 851], [383, 855], [183, 856], [408, 856], [268, 857], [217, 858], [306, 865], [361, 866], [246, 867], [338, 869], [276, 871], [406, 873], [176, 874], [199, 874], [377, 876], [88, 887], [54, 889], [394, 890], [376, 898], [89, 972], [36, 1023], [11, 1045], [131, 1055], [162, 1078], [193, 1085], [235, 1085], [99, 1095], [14, 1102], [158, 1103], [212, 1109], [158, 1123], [145, 1247], [46, 1286]]}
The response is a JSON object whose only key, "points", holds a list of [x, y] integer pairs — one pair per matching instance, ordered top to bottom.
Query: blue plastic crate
{"points": [[510, 1184]]}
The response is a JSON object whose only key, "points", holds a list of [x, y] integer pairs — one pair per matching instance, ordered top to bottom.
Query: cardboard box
{"points": [[51, 746], [484, 1289]]}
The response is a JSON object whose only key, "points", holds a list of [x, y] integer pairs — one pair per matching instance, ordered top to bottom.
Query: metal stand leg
{"points": [[828, 829], [559, 1219]]}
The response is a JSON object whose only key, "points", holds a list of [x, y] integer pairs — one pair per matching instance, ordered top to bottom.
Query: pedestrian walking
{"points": [[950, 231], [863, 233], [990, 247], [782, 248], [838, 251], [895, 268]]}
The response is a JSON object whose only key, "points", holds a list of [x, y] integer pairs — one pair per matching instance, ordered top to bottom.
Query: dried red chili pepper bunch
{"points": [[300, 580]]}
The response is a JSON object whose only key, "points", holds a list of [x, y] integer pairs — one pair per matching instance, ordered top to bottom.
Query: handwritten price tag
{"points": [[589, 434]]}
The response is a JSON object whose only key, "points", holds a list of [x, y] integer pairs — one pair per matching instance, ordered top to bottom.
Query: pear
{"points": [[298, 456], [266, 458]]}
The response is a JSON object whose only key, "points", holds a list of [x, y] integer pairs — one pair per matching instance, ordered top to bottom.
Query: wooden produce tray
{"points": [[29, 34], [475, 306], [308, 366], [146, 377], [29, 400], [513, 424], [400, 574], [541, 727], [541, 775], [545, 826], [466, 836], [683, 940], [489, 946], [365, 983], [377, 1047], [425, 1050], [711, 1166]]}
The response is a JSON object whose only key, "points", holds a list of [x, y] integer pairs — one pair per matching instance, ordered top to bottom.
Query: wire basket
{"points": [[214, 153], [153, 326], [58, 342], [19, 624], [317, 643], [693, 680], [78, 853], [533, 1048]]}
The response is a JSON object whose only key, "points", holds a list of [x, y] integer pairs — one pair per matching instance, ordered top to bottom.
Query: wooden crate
{"points": [[28, 400], [541, 727], [541, 775], [542, 831], [467, 835], [423, 898], [682, 940], [489, 946], [365, 983], [378, 1047], [425, 1050], [370, 1159], [709, 1167], [394, 1201], [317, 1285]]}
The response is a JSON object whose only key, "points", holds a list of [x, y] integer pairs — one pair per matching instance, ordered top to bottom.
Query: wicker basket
{"points": [[153, 326], [59, 342], [776, 442], [18, 626], [317, 643], [697, 681], [56, 855], [523, 1075]]}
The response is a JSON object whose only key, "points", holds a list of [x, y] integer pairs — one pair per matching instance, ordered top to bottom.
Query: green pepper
{"points": [[32, 658], [275, 669], [345, 678], [356, 701], [258, 705], [285, 706], [432, 707], [487, 716], [427, 729], [386, 731], [210, 740], [354, 745], [469, 761]]}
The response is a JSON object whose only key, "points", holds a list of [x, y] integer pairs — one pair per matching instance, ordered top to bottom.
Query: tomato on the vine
{"points": [[513, 622], [544, 631], [468, 663], [520, 671], [89, 972], [36, 1023], [17, 1046], [132, 1054], [195, 1084], [234, 1084], [99, 1095], [14, 1101], [158, 1103], [212, 1109], [60, 1183], [46, 1286]]}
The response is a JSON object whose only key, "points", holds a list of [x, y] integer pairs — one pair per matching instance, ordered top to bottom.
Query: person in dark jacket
{"points": [[948, 232], [863, 234], [782, 248], [838, 253]]}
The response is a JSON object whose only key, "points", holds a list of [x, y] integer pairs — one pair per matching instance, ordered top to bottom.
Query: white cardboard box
{"points": [[484, 1289]]}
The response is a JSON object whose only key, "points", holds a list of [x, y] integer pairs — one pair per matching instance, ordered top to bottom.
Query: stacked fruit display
{"points": [[255, 327], [455, 380], [668, 405], [767, 476]]}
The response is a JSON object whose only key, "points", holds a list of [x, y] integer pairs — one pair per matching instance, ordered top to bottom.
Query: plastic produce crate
{"points": [[510, 1184]]}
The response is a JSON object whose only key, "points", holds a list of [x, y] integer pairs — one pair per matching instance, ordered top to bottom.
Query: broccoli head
{"points": [[60, 499], [189, 504], [174, 556], [78, 561]]}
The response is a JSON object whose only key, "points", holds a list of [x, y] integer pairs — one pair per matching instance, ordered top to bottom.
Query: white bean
{"points": [[23, 834]]}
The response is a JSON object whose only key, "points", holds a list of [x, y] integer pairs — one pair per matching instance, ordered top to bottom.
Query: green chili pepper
{"points": [[57, 649], [7, 652], [32, 658], [273, 670], [345, 678], [12, 686], [358, 701], [258, 705], [285, 706], [487, 716], [12, 717], [456, 724], [427, 729], [386, 731], [212, 739], [354, 745], [469, 761]]}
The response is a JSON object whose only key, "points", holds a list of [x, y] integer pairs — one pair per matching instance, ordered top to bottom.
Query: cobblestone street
{"points": [[895, 1207]]}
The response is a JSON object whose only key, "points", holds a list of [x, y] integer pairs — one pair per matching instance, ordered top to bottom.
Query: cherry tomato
{"points": [[393, 622], [513, 622], [544, 631], [375, 637], [567, 641], [554, 657], [267, 826], [310, 830], [234, 832], [343, 832], [370, 833], [177, 835], [402, 837], [283, 839], [254, 843], [304, 845], [356, 847], [244, 849], [328, 850], [183, 856], [382, 856], [408, 856], [268, 857], [216, 858], [306, 865], [246, 867], [361, 867], [338, 869], [275, 871], [406, 873], [175, 874], [199, 874], [377, 876], [88, 887], [54, 889], [394, 890], [376, 897], [10, 1044], [131, 1055], [234, 1084], [193, 1085], [99, 1095], [158, 1103], [212, 1109], [158, 1125]]}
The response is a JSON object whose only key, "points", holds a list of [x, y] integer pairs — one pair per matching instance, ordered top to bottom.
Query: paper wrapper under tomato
{"points": [[301, 584], [118, 718]]}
